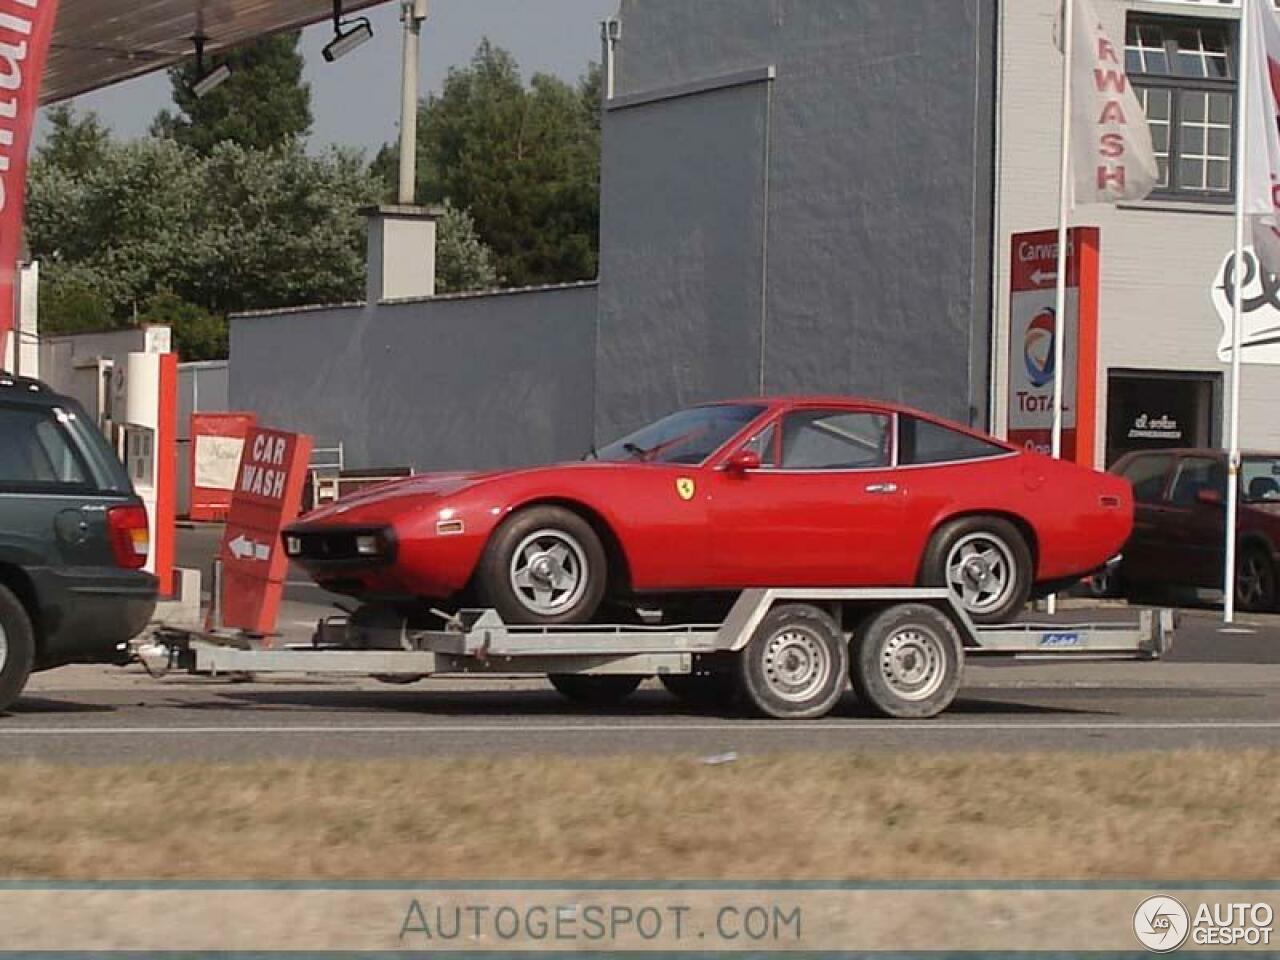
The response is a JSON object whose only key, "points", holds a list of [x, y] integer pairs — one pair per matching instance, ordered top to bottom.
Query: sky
{"points": [[356, 101]]}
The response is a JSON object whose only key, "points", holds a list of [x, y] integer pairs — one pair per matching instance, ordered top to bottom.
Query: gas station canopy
{"points": [[100, 42]]}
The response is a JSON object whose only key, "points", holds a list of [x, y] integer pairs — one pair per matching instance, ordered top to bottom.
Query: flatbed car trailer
{"points": [[783, 653]]}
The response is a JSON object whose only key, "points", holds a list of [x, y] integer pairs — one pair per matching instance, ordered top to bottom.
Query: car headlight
{"points": [[372, 544]]}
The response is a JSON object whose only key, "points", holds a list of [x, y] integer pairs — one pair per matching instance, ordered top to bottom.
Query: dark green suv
{"points": [[73, 540]]}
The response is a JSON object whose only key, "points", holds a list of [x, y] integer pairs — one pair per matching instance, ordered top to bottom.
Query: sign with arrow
{"points": [[1033, 331], [267, 495]]}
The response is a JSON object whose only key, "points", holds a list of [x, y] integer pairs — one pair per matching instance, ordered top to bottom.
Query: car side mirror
{"points": [[742, 461], [1209, 497]]}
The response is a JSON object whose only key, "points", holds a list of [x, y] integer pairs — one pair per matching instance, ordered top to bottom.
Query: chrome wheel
{"points": [[549, 572], [981, 572], [913, 663], [796, 665]]}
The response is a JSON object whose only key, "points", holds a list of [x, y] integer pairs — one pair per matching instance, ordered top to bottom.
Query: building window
{"points": [[1183, 72]]}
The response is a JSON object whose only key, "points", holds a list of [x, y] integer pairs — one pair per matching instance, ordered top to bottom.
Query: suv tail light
{"points": [[130, 541]]}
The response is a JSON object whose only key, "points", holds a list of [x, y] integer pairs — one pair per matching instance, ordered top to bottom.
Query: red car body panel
{"points": [[707, 528]]}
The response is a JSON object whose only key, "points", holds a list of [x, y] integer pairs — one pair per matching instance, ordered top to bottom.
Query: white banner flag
{"points": [[1262, 151], [1111, 153]]}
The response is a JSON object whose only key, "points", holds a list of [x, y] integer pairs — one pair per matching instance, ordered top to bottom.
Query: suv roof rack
{"points": [[15, 382]]}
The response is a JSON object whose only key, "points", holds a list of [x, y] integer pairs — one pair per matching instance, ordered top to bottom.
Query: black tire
{"points": [[562, 543], [1106, 584], [1256, 590], [991, 601], [17, 648], [907, 662], [796, 664], [703, 689], [594, 690]]}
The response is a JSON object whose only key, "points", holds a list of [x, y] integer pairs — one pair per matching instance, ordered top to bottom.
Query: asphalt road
{"points": [[1217, 689]]}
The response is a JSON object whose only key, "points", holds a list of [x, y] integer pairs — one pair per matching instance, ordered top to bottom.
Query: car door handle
{"points": [[881, 488]]}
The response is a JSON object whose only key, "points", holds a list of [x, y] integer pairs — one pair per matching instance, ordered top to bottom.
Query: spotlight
{"points": [[347, 34], [346, 38], [211, 80]]}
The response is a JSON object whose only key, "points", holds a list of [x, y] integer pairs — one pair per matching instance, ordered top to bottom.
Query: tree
{"points": [[264, 103], [73, 142], [523, 161], [463, 262], [197, 333]]}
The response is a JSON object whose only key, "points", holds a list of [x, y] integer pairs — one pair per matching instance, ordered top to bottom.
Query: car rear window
{"points": [[923, 442], [36, 452], [1147, 474], [1260, 479]]}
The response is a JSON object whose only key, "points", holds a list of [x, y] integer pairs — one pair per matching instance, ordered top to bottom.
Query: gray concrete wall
{"points": [[863, 170], [443, 383]]}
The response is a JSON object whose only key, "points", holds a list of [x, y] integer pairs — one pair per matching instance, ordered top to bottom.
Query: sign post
{"points": [[1033, 343], [268, 494]]}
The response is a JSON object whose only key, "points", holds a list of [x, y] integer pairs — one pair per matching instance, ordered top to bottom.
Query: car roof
{"points": [[27, 391], [820, 399]]}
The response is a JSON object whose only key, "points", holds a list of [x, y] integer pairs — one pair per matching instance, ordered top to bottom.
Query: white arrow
{"points": [[1040, 276], [242, 548]]}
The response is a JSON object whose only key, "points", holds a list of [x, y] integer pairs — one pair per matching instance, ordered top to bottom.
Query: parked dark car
{"points": [[1179, 528], [73, 539]]}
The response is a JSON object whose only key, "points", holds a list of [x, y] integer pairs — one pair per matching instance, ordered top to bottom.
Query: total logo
{"points": [[1037, 348], [1162, 924]]}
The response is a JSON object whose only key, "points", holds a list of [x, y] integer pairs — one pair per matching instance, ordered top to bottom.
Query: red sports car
{"points": [[789, 492]]}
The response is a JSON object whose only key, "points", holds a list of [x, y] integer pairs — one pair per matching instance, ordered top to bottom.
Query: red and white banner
{"points": [[25, 29], [1262, 152], [1111, 153]]}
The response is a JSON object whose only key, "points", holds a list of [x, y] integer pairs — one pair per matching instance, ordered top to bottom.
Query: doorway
{"points": [[1154, 410]]}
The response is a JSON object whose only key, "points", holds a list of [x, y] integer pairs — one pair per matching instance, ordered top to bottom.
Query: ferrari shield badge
{"points": [[685, 487]]}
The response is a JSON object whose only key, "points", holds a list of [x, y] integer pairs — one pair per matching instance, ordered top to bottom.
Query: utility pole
{"points": [[412, 13]]}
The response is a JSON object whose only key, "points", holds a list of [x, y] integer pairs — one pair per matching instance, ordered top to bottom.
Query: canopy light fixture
{"points": [[347, 34], [210, 81]]}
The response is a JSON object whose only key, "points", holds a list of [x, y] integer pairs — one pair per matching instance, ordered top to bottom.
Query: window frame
{"points": [[1176, 86], [778, 423], [1002, 450], [1182, 462]]}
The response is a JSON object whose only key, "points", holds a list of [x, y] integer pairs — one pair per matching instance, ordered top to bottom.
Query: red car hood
{"points": [[381, 502]]}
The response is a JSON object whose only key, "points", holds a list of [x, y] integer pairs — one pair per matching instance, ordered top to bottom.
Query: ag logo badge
{"points": [[685, 487]]}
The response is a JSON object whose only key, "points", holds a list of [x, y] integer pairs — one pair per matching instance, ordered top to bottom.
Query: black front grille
{"points": [[328, 546]]}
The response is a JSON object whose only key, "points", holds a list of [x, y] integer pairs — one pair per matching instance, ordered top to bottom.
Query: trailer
{"points": [[782, 653]]}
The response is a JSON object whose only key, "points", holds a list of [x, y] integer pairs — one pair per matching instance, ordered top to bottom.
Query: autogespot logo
{"points": [[1037, 348], [1161, 924]]}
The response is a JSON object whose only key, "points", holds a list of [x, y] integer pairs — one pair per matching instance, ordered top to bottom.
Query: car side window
{"points": [[836, 440], [923, 442], [764, 445], [34, 451], [1196, 474], [1147, 475]]}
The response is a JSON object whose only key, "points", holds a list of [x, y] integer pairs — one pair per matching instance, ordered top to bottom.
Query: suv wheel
{"points": [[1255, 581], [17, 647]]}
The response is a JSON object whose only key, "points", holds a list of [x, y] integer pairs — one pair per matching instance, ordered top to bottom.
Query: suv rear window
{"points": [[35, 450]]}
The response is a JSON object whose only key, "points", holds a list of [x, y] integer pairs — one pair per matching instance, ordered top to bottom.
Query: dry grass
{"points": [[1193, 815]]}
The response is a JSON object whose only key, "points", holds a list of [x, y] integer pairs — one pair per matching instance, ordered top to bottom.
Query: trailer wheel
{"points": [[17, 647], [907, 661], [795, 665], [704, 689], [595, 690]]}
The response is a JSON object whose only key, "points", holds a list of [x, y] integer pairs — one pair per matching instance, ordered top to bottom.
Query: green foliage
{"points": [[264, 104], [73, 143], [524, 161], [463, 262], [197, 333]]}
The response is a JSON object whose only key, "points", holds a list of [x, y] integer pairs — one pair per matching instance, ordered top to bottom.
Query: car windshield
{"points": [[689, 437], [1260, 479]]}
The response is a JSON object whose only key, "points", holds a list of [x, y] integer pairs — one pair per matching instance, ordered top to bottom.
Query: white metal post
{"points": [[412, 12], [1064, 212], [1237, 301]]}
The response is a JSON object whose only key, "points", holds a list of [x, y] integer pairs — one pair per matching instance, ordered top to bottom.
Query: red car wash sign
{"points": [[25, 28], [1033, 329], [267, 495]]}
